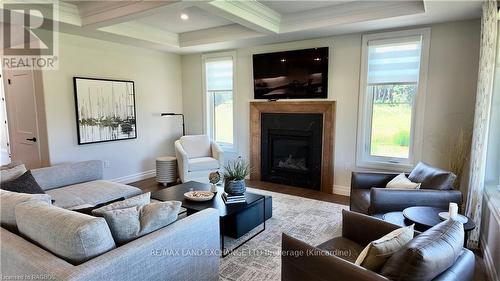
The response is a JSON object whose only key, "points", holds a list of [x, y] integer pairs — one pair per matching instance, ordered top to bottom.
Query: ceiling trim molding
{"points": [[350, 12], [122, 13], [251, 14], [143, 32], [216, 35]]}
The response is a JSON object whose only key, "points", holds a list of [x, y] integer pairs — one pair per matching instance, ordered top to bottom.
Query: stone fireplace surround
{"points": [[326, 108]]}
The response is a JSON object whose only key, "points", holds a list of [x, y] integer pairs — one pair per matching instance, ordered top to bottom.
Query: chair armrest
{"points": [[217, 153], [182, 160], [366, 180], [384, 200], [363, 229], [300, 261]]}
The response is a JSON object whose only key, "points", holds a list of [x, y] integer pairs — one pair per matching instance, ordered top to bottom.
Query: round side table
{"points": [[166, 170]]}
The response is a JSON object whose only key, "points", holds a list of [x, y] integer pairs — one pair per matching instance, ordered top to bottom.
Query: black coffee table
{"points": [[226, 212]]}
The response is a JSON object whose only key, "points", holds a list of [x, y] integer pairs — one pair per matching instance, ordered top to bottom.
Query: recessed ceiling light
{"points": [[184, 16], [283, 60]]}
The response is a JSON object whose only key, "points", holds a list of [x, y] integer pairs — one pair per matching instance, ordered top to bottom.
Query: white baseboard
{"points": [[135, 177], [341, 190], [487, 257], [488, 263]]}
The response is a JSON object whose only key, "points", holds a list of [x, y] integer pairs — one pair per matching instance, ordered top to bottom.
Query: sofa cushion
{"points": [[196, 146], [202, 164], [12, 173], [68, 174], [431, 177], [402, 182], [24, 184], [93, 193], [139, 200], [360, 200], [8, 202], [133, 222], [70, 235], [342, 247], [379, 251], [427, 255]]}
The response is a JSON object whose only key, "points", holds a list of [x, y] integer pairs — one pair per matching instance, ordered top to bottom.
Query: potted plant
{"points": [[235, 173]]}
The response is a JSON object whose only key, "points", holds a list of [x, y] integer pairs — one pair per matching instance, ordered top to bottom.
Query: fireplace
{"points": [[291, 142], [291, 149]]}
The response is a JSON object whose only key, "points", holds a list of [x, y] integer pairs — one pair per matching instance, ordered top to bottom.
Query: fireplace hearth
{"points": [[292, 143], [291, 149]]}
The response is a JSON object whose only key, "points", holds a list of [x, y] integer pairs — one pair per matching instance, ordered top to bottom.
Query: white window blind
{"points": [[394, 61], [219, 74]]}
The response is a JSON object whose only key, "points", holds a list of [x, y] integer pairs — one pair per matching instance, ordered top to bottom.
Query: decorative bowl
{"points": [[199, 195]]}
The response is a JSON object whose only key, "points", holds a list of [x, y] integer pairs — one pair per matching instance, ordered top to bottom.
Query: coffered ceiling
{"points": [[220, 24]]}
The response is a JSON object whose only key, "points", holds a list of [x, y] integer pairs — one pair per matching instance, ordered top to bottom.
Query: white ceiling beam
{"points": [[63, 12], [121, 12], [350, 12], [251, 14], [144, 32], [216, 35]]}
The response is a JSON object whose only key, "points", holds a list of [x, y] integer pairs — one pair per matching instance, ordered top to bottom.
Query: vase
{"points": [[234, 186]]}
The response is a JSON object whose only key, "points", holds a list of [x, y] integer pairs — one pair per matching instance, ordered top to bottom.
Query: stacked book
{"points": [[233, 198]]}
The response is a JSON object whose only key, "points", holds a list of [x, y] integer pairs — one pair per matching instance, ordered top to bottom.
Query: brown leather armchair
{"points": [[369, 195], [334, 259]]}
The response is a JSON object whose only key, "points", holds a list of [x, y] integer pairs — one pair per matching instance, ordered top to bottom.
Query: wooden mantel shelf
{"points": [[326, 108]]}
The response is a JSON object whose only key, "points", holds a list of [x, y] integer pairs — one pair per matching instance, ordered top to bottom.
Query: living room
{"points": [[319, 127]]}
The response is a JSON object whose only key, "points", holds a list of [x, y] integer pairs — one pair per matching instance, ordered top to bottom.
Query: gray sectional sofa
{"points": [[184, 250]]}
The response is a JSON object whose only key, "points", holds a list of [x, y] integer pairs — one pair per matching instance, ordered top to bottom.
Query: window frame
{"points": [[208, 127], [363, 157]]}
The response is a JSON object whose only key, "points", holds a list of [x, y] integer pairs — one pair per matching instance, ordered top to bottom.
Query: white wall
{"points": [[157, 87], [451, 87]]}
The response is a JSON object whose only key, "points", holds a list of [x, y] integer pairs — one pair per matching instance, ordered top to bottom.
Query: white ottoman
{"points": [[166, 169]]}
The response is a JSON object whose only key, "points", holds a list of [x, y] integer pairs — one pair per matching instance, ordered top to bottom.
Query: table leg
{"points": [[224, 253]]}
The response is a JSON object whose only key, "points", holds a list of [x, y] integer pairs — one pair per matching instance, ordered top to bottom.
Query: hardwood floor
{"points": [[151, 185]]}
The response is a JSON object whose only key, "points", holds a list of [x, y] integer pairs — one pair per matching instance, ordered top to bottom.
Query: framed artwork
{"points": [[105, 110]]}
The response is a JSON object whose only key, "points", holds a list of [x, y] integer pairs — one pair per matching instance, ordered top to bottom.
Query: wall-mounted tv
{"points": [[298, 74]]}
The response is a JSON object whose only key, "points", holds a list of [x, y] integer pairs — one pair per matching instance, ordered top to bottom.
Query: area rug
{"points": [[309, 220]]}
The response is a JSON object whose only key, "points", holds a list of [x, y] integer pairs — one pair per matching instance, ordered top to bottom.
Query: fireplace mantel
{"points": [[326, 108]]}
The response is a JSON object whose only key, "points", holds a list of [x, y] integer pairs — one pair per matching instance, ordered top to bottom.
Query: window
{"points": [[219, 90], [391, 98]]}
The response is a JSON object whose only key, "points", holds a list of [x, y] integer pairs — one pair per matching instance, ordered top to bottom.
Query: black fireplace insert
{"points": [[291, 148]]}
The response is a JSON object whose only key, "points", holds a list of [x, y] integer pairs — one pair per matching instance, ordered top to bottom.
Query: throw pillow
{"points": [[12, 173], [431, 177], [402, 182], [25, 183], [138, 200], [8, 202], [88, 208], [133, 222], [70, 235], [427, 255], [374, 256]]}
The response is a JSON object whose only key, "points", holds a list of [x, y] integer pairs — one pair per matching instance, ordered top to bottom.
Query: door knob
{"points": [[33, 139]]}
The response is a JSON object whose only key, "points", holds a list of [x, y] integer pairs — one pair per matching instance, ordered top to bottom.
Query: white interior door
{"points": [[22, 117]]}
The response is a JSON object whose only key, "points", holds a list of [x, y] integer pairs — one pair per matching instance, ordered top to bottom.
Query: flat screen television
{"points": [[298, 74]]}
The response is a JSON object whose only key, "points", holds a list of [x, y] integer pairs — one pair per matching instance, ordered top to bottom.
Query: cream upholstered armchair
{"points": [[197, 156]]}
